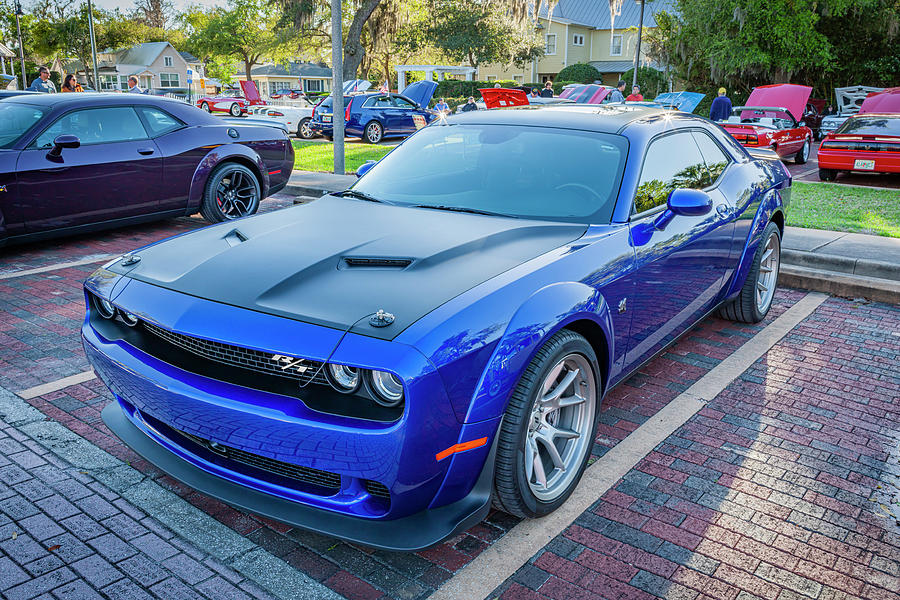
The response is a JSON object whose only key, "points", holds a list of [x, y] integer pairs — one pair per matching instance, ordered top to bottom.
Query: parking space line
{"points": [[76, 263], [59, 384], [498, 562]]}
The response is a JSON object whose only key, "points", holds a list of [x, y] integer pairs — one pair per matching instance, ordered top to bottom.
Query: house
{"points": [[584, 31], [6, 55], [157, 65], [294, 75]]}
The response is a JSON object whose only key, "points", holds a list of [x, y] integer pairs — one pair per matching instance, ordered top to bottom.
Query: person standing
{"points": [[43, 83], [71, 85], [133, 87], [547, 92], [635, 95], [616, 96], [721, 107]]}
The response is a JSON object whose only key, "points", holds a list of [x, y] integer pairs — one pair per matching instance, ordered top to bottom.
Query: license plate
{"points": [[326, 118], [863, 165]]}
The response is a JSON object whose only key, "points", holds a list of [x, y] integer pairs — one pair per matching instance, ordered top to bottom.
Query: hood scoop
{"points": [[235, 237], [374, 262]]}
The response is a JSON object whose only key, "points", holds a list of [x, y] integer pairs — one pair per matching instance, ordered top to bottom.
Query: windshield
{"points": [[764, 116], [16, 120], [871, 126], [518, 171]]}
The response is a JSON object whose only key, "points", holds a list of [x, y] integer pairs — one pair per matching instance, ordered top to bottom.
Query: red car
{"points": [[287, 94], [233, 104], [773, 118], [868, 141]]}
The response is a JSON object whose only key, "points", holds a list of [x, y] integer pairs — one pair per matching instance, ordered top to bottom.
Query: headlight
{"points": [[104, 307], [128, 318], [343, 378], [388, 388]]}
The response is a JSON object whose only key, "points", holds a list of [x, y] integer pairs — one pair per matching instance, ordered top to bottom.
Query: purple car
{"points": [[71, 163]]}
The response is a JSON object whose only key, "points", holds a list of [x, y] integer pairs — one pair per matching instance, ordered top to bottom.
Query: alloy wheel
{"points": [[235, 110], [305, 132], [373, 133], [806, 146], [236, 194], [768, 272], [560, 427]]}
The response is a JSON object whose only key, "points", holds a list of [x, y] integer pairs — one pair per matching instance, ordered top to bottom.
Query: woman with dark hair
{"points": [[71, 85]]}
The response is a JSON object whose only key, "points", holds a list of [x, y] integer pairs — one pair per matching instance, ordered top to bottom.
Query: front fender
{"points": [[214, 158], [770, 204], [544, 313]]}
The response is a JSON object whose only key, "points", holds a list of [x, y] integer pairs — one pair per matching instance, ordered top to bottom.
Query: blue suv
{"points": [[375, 116]]}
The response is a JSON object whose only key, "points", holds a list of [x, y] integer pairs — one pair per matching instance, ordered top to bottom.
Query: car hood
{"points": [[420, 92], [251, 93], [791, 96], [849, 99], [683, 101], [887, 101], [335, 262]]}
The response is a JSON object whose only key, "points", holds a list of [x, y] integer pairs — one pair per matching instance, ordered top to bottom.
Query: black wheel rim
{"points": [[236, 194]]}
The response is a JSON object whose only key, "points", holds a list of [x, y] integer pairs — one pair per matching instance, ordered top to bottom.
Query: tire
{"points": [[205, 106], [235, 110], [303, 130], [373, 133], [330, 138], [803, 153], [827, 174], [218, 205], [750, 306], [564, 355]]}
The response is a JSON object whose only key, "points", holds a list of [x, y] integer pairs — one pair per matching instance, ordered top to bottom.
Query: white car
{"points": [[849, 99], [296, 118]]}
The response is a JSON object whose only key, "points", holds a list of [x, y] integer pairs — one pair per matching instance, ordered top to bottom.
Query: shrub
{"points": [[579, 73], [652, 82], [454, 88]]}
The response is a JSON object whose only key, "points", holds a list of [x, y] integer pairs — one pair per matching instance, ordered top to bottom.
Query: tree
{"points": [[153, 13], [246, 31], [475, 31], [579, 73]]}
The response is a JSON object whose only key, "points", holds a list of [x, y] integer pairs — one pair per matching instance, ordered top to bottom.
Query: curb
{"points": [[850, 266]]}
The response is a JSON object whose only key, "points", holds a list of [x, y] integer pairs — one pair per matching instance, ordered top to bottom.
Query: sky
{"points": [[180, 5]]}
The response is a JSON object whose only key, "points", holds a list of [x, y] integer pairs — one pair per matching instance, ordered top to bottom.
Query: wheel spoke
{"points": [[766, 255], [762, 286], [552, 398], [573, 400], [551, 432], [551, 449], [540, 476]]}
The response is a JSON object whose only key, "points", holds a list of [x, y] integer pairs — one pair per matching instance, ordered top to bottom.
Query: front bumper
{"points": [[169, 406], [409, 534]]}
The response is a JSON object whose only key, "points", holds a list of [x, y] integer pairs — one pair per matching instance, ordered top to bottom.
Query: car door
{"points": [[381, 108], [406, 111], [180, 151], [115, 173], [680, 268]]}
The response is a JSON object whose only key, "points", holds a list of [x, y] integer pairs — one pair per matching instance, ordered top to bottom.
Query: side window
{"points": [[379, 102], [403, 102], [159, 122], [96, 126], [716, 160], [671, 162]]}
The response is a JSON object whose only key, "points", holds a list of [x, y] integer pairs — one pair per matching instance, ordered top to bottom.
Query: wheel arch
{"points": [[229, 153], [770, 209], [566, 305]]}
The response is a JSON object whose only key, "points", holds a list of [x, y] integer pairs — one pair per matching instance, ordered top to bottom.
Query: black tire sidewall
{"points": [[210, 208], [753, 276], [530, 505]]}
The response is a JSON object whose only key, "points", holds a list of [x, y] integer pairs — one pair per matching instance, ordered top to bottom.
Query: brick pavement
{"points": [[774, 490], [62, 533]]}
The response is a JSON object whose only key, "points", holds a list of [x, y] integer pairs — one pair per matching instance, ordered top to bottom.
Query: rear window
{"points": [[327, 102], [880, 125]]}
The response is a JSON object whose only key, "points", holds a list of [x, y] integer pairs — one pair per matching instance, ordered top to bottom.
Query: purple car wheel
{"points": [[232, 192], [548, 428]]}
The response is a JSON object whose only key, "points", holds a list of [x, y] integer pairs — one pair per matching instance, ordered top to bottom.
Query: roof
{"points": [[592, 13], [5, 52], [141, 54], [188, 57], [613, 66], [292, 69], [91, 98], [609, 118]]}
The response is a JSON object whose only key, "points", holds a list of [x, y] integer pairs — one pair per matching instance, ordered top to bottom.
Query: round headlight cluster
{"points": [[108, 310], [385, 388]]}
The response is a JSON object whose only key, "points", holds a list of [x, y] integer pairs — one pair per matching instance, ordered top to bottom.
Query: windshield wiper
{"points": [[360, 196], [462, 209]]}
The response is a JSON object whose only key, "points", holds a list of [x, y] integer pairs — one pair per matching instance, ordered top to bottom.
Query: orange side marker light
{"points": [[461, 448]]}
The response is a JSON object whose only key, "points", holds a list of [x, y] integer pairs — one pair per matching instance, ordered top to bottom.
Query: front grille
{"points": [[302, 370], [324, 479], [378, 490]]}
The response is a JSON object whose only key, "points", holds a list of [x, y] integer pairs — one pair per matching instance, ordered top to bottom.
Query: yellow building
{"points": [[585, 31]]}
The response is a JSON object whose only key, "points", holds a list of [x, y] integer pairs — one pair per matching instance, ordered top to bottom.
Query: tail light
{"points": [[347, 110], [275, 113], [313, 116]]}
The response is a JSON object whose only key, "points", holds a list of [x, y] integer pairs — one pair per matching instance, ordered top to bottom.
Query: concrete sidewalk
{"points": [[844, 264]]}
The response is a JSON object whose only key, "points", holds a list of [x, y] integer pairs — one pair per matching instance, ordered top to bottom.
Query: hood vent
{"points": [[363, 262]]}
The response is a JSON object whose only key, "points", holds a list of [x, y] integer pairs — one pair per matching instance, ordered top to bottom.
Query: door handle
{"points": [[145, 151], [722, 209]]}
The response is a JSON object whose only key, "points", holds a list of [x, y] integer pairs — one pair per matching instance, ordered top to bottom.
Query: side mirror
{"points": [[63, 141], [364, 168], [684, 202]]}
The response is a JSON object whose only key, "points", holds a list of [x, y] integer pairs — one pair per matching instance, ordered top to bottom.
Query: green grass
{"points": [[319, 156], [841, 208]]}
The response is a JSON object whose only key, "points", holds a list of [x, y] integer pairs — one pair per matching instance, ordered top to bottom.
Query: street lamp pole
{"points": [[93, 44], [21, 50], [637, 55], [337, 87]]}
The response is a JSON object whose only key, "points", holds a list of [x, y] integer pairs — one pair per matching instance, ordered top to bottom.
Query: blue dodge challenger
{"points": [[384, 363]]}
